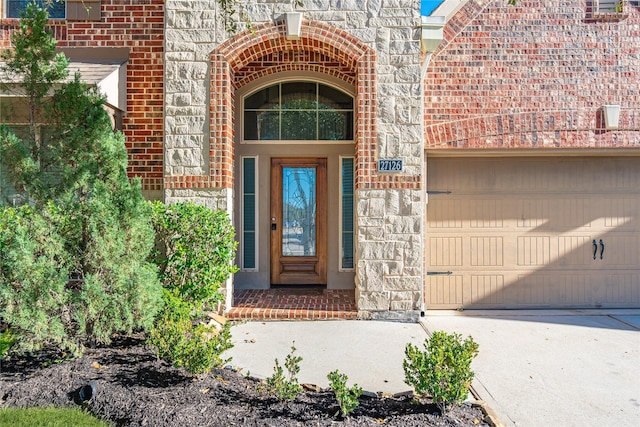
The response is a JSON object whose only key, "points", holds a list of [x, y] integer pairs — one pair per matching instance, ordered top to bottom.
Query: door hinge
{"points": [[434, 192]]}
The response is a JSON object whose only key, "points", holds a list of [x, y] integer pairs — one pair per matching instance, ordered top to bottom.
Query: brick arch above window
{"points": [[316, 36], [354, 58], [302, 61]]}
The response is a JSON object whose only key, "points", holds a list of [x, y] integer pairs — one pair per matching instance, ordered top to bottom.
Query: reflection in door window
{"points": [[298, 111], [298, 211]]}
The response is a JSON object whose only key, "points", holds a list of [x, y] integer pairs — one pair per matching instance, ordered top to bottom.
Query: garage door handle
{"points": [[595, 248], [601, 249]]}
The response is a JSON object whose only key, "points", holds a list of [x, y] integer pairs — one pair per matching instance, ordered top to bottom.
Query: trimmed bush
{"points": [[113, 288], [443, 369]]}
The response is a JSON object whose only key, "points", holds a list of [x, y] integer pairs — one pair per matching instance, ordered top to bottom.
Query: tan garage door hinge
{"points": [[434, 192]]}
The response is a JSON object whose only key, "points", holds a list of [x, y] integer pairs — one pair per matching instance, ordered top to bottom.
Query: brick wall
{"points": [[137, 25], [533, 76]]}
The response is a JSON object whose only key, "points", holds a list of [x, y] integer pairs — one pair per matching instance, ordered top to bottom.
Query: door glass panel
{"points": [[298, 211]]}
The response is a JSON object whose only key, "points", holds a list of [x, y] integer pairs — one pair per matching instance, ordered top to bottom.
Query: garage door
{"points": [[542, 232]]}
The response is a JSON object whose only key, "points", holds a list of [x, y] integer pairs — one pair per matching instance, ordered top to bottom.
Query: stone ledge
{"points": [[409, 316]]}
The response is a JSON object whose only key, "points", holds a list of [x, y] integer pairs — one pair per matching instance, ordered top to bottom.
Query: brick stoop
{"points": [[293, 304]]}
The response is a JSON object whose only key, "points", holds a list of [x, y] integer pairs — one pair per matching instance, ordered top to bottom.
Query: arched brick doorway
{"points": [[322, 52]]}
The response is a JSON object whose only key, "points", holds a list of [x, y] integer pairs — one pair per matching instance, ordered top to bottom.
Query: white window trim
{"points": [[290, 76], [242, 207], [341, 254]]}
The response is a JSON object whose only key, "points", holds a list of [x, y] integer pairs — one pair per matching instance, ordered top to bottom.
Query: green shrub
{"points": [[112, 233], [98, 245], [196, 250], [76, 269], [34, 272], [195, 347], [443, 369], [285, 387], [347, 397]]}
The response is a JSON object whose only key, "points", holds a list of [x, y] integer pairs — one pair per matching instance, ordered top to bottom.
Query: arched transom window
{"points": [[298, 111]]}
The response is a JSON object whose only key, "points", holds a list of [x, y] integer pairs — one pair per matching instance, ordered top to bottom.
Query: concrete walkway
{"points": [[370, 353], [538, 368], [555, 368]]}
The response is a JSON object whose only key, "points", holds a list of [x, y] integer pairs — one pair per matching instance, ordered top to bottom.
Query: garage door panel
{"points": [[619, 213], [447, 214], [486, 214], [518, 233], [534, 250], [619, 250], [445, 251], [486, 251], [574, 251], [623, 288], [488, 290], [445, 291]]}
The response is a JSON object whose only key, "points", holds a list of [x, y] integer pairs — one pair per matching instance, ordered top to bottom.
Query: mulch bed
{"points": [[133, 388]]}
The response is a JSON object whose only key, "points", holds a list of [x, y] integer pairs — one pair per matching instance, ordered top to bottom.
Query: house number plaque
{"points": [[390, 165]]}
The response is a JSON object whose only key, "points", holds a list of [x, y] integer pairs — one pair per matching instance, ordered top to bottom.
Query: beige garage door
{"points": [[533, 232]]}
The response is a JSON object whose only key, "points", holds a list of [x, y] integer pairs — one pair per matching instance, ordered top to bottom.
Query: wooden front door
{"points": [[299, 221]]}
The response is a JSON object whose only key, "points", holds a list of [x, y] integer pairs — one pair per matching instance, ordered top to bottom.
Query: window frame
{"points": [[290, 77]]}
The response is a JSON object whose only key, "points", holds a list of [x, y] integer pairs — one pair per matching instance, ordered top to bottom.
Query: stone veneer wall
{"points": [[378, 40], [534, 76]]}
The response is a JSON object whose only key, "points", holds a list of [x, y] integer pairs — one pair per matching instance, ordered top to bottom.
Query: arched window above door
{"points": [[298, 111]]}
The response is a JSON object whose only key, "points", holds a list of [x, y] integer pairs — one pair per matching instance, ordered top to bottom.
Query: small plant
{"points": [[443, 369], [286, 387], [347, 397]]}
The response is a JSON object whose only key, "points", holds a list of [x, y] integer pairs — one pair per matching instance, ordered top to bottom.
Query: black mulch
{"points": [[127, 385]]}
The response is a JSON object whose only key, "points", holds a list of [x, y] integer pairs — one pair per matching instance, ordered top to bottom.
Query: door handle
{"points": [[595, 248], [601, 249]]}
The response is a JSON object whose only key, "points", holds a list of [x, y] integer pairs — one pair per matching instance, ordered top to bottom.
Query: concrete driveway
{"points": [[554, 368]]}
